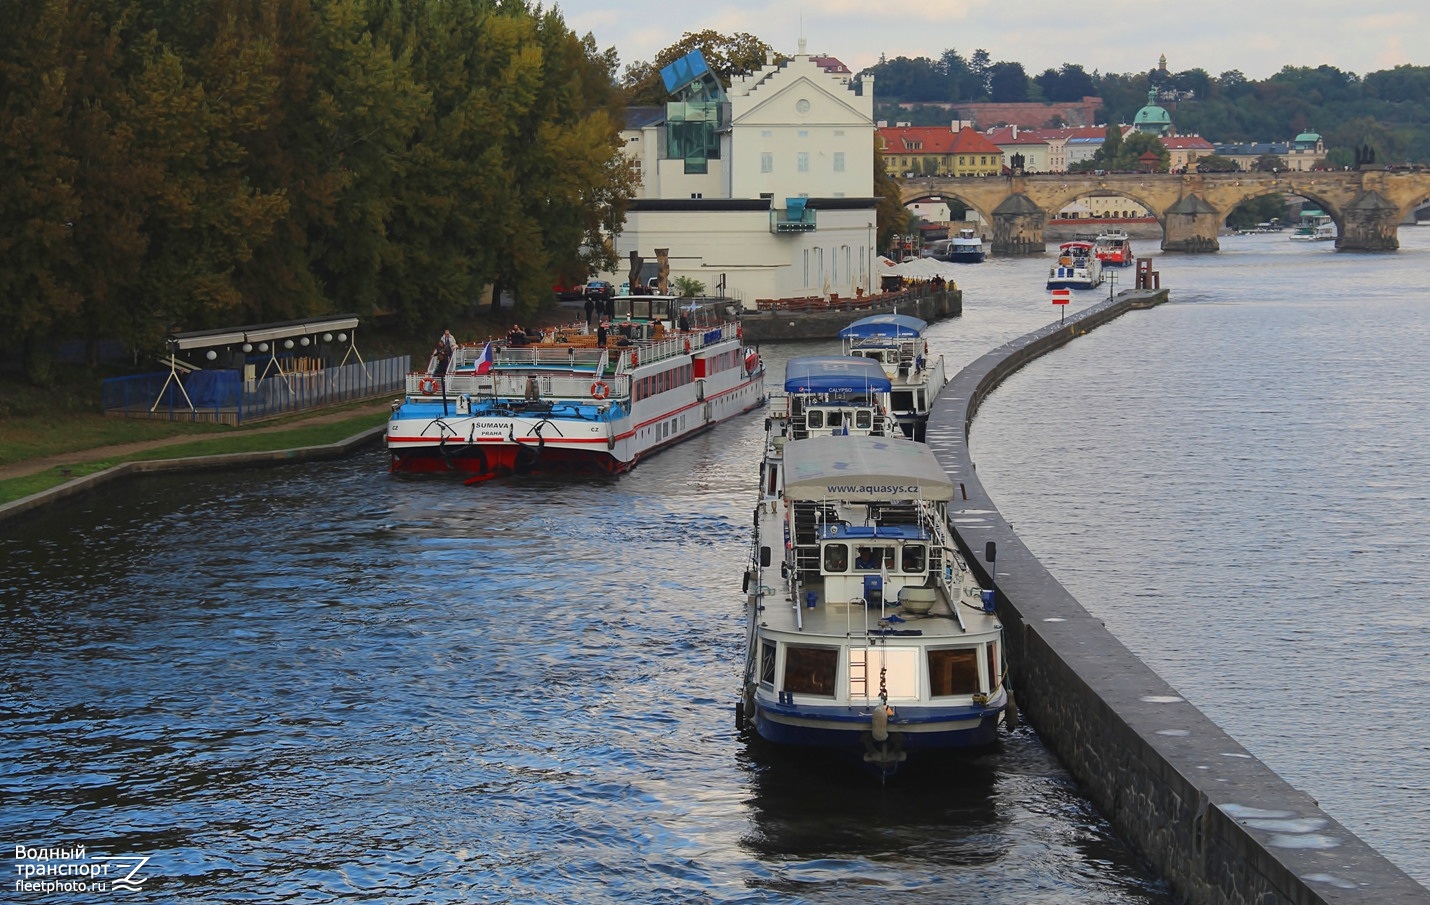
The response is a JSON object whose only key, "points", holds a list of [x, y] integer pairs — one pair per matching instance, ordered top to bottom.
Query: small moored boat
{"points": [[897, 343], [565, 403]]}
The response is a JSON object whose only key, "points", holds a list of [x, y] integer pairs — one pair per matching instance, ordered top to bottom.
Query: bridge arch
{"points": [[935, 196], [1366, 205]]}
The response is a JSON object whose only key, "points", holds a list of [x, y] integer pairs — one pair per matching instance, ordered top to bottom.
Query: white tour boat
{"points": [[1315, 226], [964, 248], [1077, 267], [897, 343], [564, 403], [866, 633]]}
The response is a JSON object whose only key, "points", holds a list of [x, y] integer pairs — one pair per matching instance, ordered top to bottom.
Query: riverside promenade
{"points": [[1210, 818]]}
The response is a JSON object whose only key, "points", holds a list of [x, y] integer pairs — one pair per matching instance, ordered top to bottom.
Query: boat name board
{"points": [[868, 490]]}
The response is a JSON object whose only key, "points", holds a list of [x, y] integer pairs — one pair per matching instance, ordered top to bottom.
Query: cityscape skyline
{"points": [[1118, 36]]}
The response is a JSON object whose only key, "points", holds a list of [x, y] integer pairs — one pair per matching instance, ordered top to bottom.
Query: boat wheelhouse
{"points": [[1114, 248], [1077, 267], [898, 344], [566, 403], [867, 633]]}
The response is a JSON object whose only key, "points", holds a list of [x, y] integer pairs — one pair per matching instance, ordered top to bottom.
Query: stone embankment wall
{"points": [[790, 325], [1214, 821]]}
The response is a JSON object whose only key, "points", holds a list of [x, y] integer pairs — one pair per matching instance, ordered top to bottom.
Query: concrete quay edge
{"points": [[87, 484], [1211, 819]]}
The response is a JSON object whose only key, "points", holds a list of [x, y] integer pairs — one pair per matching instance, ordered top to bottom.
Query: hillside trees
{"points": [[194, 163]]}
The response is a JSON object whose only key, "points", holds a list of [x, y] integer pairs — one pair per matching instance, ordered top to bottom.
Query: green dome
{"points": [[1152, 118], [1308, 138]]}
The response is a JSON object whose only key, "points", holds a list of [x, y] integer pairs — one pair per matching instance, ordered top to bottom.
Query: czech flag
{"points": [[484, 361]]}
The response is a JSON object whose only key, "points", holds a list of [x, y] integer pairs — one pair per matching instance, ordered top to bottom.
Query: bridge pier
{"points": [[1369, 223], [1191, 225], [1018, 227]]}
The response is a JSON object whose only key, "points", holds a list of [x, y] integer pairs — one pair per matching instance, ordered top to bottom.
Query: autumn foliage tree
{"points": [[199, 163]]}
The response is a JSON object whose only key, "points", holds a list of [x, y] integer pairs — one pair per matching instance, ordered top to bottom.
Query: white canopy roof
{"points": [[232, 336], [860, 468]]}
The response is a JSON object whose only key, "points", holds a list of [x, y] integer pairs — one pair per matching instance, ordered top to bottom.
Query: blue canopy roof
{"points": [[884, 325], [835, 374]]}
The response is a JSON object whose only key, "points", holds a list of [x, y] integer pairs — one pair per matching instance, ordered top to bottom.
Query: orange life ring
{"points": [[687, 347], [635, 359], [428, 386], [599, 390]]}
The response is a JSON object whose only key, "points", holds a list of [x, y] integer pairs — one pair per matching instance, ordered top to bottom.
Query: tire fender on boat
{"points": [[599, 390], [879, 722]]}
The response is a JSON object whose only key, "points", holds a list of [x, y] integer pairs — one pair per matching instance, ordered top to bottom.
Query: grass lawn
{"points": [[234, 441]]}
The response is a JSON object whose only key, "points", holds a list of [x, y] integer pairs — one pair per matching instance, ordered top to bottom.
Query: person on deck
{"points": [[601, 333], [444, 353], [867, 559]]}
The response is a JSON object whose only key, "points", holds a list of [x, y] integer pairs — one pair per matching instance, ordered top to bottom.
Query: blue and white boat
{"points": [[898, 344], [831, 394], [564, 403], [867, 633]]}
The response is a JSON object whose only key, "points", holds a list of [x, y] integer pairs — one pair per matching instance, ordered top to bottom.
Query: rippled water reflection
{"points": [[1238, 484], [323, 684]]}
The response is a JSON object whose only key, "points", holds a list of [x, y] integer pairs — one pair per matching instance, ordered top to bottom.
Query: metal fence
{"points": [[234, 396]]}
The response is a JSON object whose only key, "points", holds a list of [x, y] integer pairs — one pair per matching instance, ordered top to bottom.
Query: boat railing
{"points": [[577, 387]]}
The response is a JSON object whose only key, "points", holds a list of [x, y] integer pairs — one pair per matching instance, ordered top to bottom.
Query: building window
{"points": [[767, 133], [803, 159], [838, 161], [767, 162]]}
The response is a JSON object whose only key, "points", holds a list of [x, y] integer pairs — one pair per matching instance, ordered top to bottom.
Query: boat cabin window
{"points": [[815, 419], [864, 419], [873, 558], [913, 558], [836, 559], [767, 663], [810, 670], [953, 671]]}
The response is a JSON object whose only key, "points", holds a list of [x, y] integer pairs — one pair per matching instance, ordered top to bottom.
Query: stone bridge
{"points": [[1366, 205]]}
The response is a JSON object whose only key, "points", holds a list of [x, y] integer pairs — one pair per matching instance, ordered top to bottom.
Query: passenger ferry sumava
{"points": [[564, 403], [866, 632]]}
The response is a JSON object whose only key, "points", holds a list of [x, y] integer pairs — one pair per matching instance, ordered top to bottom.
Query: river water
{"points": [[1238, 484], [320, 683]]}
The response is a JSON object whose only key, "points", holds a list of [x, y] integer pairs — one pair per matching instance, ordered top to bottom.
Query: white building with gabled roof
{"points": [[762, 189]]}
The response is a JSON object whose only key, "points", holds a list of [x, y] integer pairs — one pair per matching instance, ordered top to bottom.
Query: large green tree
{"points": [[726, 55]]}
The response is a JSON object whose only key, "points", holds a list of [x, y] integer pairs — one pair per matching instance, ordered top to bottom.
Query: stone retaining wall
{"points": [[779, 325], [1214, 821]]}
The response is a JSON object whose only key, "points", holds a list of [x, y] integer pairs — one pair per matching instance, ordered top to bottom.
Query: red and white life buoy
{"points": [[687, 347], [428, 386], [599, 390]]}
